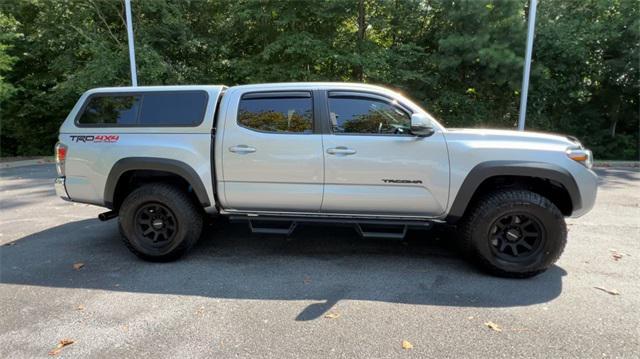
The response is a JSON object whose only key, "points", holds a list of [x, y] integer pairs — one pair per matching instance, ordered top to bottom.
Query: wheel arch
{"points": [[162, 165], [485, 172]]}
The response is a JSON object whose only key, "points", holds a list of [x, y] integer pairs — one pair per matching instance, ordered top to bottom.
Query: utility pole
{"points": [[533, 4], [132, 53]]}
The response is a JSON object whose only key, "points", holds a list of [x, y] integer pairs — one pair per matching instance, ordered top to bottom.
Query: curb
{"points": [[35, 161], [618, 164]]}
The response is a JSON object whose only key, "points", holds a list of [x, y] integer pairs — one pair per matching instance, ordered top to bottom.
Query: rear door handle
{"points": [[242, 149], [341, 150]]}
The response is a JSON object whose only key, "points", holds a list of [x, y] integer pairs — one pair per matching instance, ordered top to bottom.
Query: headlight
{"points": [[581, 155]]}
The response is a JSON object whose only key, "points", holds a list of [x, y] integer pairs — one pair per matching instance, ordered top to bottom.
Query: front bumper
{"points": [[587, 181], [61, 189]]}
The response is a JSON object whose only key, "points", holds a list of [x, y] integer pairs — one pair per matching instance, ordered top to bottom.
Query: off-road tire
{"points": [[180, 208], [477, 236]]}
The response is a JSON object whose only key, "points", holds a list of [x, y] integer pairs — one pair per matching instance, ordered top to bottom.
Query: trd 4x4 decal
{"points": [[96, 138]]}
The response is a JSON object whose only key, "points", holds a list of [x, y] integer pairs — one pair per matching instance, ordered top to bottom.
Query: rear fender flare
{"points": [[158, 164]]}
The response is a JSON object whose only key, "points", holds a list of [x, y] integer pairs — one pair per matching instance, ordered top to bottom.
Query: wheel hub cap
{"points": [[157, 223], [513, 235], [516, 237]]}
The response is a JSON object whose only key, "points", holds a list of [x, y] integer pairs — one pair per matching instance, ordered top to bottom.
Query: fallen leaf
{"points": [[617, 255], [78, 265], [610, 291], [80, 307], [200, 311], [332, 315], [493, 326], [61, 344], [406, 345], [55, 351]]}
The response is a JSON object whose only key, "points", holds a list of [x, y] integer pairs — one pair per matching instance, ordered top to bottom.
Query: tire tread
{"points": [[511, 197], [181, 203]]}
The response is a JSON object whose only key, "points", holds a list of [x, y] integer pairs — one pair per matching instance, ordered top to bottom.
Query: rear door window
{"points": [[177, 108], [277, 113]]}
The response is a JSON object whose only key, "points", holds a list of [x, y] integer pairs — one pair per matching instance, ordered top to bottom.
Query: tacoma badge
{"points": [[400, 181]]}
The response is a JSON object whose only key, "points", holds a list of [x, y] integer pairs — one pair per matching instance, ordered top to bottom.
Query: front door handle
{"points": [[242, 149], [341, 150]]}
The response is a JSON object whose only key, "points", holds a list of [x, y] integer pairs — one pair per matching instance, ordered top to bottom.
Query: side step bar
{"points": [[257, 227], [366, 228], [382, 231]]}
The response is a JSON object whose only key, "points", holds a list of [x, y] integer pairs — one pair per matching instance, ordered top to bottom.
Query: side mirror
{"points": [[421, 125]]}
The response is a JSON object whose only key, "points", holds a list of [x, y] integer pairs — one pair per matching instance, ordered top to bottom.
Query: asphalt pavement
{"points": [[324, 292]]}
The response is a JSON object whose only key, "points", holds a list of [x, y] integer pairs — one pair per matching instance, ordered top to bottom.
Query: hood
{"points": [[515, 136]]}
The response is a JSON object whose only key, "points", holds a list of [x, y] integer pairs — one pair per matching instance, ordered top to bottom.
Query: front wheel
{"points": [[159, 222], [514, 233]]}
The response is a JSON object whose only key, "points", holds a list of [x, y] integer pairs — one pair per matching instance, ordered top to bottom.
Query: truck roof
{"points": [[317, 85], [260, 86], [156, 88]]}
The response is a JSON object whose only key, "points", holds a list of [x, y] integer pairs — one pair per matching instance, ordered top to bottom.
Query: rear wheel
{"points": [[159, 222], [514, 233]]}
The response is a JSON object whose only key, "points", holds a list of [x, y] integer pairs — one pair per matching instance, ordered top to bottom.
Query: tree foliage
{"points": [[462, 60]]}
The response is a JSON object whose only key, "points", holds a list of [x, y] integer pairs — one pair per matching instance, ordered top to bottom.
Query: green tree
{"points": [[8, 33], [587, 57], [461, 59]]}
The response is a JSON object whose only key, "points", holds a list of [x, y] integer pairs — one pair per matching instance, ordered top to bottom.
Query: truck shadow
{"points": [[617, 177], [320, 264]]}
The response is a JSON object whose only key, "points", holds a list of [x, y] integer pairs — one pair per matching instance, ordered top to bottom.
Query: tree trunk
{"points": [[394, 25], [614, 117]]}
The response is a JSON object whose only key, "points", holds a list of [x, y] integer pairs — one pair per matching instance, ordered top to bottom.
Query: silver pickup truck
{"points": [[162, 159]]}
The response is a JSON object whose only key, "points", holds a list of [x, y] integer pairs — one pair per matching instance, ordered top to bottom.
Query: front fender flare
{"points": [[489, 169]]}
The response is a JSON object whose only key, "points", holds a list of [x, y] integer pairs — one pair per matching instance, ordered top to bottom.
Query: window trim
{"points": [[275, 94], [265, 95], [370, 96], [139, 112]]}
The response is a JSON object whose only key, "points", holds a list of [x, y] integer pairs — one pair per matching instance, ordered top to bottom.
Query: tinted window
{"points": [[173, 108], [115, 110], [277, 114], [365, 115]]}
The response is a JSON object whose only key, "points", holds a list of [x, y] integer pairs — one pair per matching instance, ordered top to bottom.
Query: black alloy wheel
{"points": [[156, 223], [516, 237]]}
